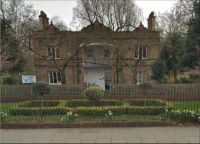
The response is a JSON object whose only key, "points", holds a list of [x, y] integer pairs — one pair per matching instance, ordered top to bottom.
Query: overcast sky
{"points": [[63, 8]]}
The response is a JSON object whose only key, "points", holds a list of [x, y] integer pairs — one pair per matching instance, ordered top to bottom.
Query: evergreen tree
{"points": [[172, 50], [191, 57]]}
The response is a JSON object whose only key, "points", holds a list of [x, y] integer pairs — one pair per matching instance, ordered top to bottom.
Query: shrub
{"points": [[159, 69], [184, 79], [8, 80], [146, 86], [41, 88], [94, 94], [146, 102], [37, 103], [76, 103], [120, 110], [39, 111], [89, 111], [3, 116], [70, 116]]}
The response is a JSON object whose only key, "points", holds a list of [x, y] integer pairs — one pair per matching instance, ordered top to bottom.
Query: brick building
{"points": [[95, 55]]}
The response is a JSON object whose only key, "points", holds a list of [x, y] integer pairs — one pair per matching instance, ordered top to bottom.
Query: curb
{"points": [[35, 125]]}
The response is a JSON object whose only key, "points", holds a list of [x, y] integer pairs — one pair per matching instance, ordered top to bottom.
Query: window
{"points": [[53, 52], [140, 52], [144, 52], [141, 77], [54, 78]]}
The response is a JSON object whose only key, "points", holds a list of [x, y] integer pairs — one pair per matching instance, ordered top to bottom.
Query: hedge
{"points": [[146, 102], [37, 103], [77, 103], [38, 111], [86, 111]]}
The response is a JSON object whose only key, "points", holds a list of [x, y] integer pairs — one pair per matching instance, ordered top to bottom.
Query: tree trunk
{"points": [[175, 76], [63, 77]]}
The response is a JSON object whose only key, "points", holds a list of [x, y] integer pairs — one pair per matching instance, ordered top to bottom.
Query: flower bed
{"points": [[92, 111], [183, 116]]}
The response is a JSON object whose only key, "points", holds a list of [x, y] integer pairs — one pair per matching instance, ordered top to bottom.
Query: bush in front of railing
{"points": [[41, 88], [94, 94], [84, 102], [37, 103]]}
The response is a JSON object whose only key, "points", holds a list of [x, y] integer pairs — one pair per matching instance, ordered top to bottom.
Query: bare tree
{"points": [[119, 15], [22, 19], [176, 19]]}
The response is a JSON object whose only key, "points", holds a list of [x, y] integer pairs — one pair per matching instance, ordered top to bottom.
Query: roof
{"points": [[96, 26]]}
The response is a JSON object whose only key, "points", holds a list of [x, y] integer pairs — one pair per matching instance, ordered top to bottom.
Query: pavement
{"points": [[102, 135]]}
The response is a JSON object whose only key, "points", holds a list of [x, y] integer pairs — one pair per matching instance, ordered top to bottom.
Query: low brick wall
{"points": [[24, 125]]}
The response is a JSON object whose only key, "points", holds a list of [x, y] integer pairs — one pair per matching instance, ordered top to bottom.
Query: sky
{"points": [[64, 8]]}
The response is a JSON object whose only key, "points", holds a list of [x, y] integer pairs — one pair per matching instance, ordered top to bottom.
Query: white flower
{"points": [[110, 113]]}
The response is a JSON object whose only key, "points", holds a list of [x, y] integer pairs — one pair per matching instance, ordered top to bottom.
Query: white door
{"points": [[95, 77]]}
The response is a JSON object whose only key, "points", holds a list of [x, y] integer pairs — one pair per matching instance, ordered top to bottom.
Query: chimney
{"points": [[43, 20], [152, 21]]}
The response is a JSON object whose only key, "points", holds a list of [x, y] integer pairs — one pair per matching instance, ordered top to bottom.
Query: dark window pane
{"points": [[49, 51], [57, 52], [140, 52], [144, 55], [51, 77], [54, 77], [59, 77]]}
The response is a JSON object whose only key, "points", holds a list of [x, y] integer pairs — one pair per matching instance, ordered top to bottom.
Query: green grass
{"points": [[192, 105]]}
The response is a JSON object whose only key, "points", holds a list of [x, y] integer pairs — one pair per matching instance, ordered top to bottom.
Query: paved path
{"points": [[103, 135]]}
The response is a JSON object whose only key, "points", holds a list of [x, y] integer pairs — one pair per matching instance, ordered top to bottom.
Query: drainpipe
{"points": [[117, 65], [77, 66]]}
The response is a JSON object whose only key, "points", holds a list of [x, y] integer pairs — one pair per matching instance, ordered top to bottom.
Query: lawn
{"points": [[185, 105]]}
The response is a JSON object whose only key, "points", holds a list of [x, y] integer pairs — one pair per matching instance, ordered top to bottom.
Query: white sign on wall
{"points": [[28, 79]]}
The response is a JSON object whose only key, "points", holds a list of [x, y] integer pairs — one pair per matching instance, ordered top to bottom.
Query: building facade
{"points": [[95, 55]]}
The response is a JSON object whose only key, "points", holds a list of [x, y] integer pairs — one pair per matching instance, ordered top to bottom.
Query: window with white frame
{"points": [[53, 52], [140, 52], [141, 77], [54, 78]]}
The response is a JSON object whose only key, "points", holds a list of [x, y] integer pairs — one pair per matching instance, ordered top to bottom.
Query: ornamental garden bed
{"points": [[84, 110], [104, 110]]}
